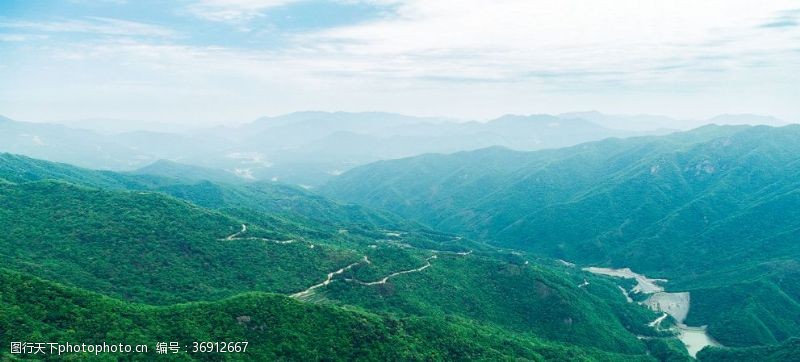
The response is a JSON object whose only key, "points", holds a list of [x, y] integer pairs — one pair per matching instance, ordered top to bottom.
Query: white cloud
{"points": [[235, 11], [93, 25], [21, 37], [513, 40], [466, 58]]}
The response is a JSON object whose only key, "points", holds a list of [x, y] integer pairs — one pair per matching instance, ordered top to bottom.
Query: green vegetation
{"points": [[188, 173], [201, 187], [283, 200], [715, 210], [134, 245], [148, 247], [137, 258], [526, 299], [761, 300], [276, 327], [667, 349], [788, 351]]}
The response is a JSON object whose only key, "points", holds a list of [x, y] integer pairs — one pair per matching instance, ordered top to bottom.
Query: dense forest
{"points": [[714, 210], [79, 242]]}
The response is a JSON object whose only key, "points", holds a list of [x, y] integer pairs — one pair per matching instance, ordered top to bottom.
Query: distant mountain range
{"points": [[646, 122], [110, 126], [310, 148]]}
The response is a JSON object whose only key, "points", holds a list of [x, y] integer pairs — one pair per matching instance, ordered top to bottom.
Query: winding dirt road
{"points": [[235, 236], [426, 266], [330, 277], [386, 278], [310, 291], [657, 322]]}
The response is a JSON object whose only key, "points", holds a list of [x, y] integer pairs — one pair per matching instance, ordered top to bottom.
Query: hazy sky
{"points": [[212, 61]]}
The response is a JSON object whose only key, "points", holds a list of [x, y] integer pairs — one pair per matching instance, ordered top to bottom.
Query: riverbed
{"points": [[675, 304], [695, 338]]}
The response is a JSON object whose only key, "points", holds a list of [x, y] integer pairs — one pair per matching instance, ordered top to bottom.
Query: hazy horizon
{"points": [[221, 62], [99, 122]]}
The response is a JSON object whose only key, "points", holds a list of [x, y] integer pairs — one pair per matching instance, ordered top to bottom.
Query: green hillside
{"points": [[17, 168], [190, 173], [205, 188], [281, 199], [713, 210], [112, 241], [148, 247], [528, 299], [275, 327], [788, 351]]}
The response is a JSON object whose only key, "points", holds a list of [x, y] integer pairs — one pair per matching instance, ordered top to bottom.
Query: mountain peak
{"points": [[583, 114], [526, 118], [746, 118], [188, 172]]}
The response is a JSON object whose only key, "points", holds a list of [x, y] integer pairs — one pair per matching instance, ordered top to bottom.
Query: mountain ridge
{"points": [[656, 204]]}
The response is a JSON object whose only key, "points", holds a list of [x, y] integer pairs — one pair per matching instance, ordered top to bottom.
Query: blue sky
{"points": [[214, 61]]}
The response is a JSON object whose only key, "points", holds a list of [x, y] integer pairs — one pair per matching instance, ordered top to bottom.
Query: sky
{"points": [[200, 62]]}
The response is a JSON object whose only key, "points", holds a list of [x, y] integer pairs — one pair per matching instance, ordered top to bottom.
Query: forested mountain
{"points": [[190, 173], [202, 187], [713, 210], [103, 233], [120, 259], [275, 327], [788, 351]]}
